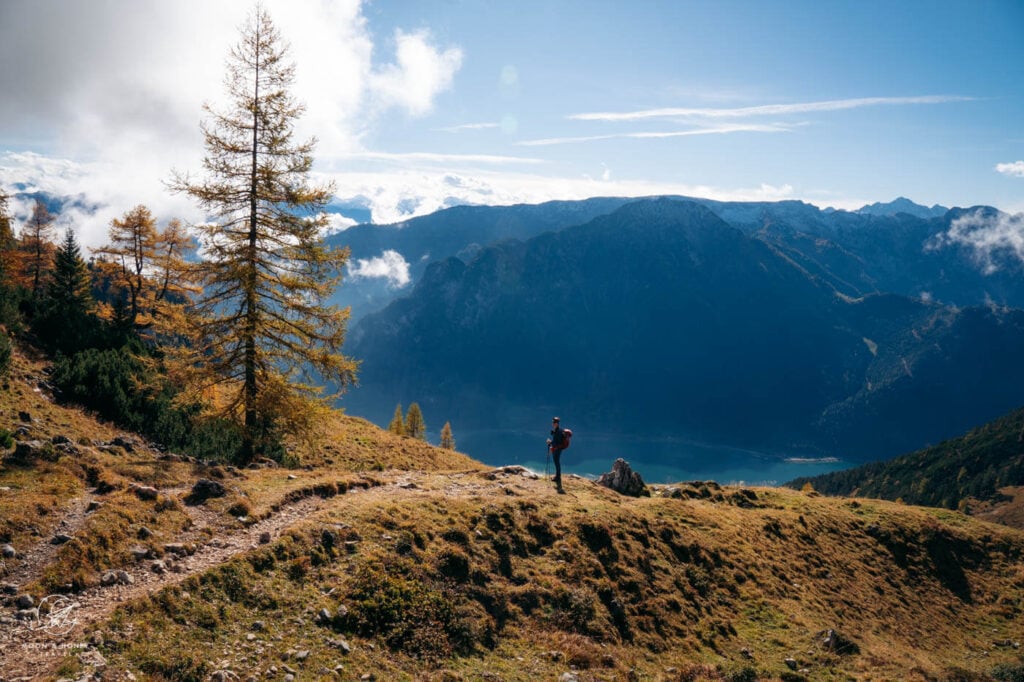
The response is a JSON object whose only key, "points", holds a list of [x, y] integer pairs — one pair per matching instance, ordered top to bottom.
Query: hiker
{"points": [[556, 444]]}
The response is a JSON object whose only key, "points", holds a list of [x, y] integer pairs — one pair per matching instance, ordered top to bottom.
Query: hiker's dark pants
{"points": [[557, 456]]}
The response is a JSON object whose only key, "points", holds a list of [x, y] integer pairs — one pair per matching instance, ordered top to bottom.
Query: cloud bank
{"points": [[118, 87], [990, 237]]}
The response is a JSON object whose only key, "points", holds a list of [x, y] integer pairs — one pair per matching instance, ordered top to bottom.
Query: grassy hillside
{"points": [[960, 473], [384, 557]]}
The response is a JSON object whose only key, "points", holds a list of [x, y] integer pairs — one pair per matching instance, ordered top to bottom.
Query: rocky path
{"points": [[30, 562], [28, 648]]}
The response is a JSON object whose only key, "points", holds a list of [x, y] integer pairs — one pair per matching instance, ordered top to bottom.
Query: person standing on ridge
{"points": [[556, 444]]}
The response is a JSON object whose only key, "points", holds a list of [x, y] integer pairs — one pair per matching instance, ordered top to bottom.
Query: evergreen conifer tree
{"points": [[65, 322], [261, 322]]}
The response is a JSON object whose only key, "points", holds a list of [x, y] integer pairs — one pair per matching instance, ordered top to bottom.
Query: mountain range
{"points": [[775, 326]]}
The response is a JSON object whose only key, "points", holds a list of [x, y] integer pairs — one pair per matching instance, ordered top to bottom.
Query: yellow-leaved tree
{"points": [[263, 334]]}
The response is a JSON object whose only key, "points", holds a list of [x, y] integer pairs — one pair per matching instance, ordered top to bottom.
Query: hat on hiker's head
{"points": [[554, 419]]}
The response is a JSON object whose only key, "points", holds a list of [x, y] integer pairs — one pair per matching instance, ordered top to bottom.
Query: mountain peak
{"points": [[902, 205]]}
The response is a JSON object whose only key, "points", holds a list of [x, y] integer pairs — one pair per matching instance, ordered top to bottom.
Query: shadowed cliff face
{"points": [[661, 318]]}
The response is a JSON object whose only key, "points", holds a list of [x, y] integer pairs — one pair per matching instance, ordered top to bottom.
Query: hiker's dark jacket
{"points": [[558, 438]]}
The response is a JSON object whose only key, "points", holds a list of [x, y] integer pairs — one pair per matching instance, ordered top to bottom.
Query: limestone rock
{"points": [[622, 479]]}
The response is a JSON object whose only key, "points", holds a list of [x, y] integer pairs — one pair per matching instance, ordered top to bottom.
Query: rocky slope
{"points": [[386, 558]]}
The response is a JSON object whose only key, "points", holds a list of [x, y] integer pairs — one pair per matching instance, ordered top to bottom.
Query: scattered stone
{"points": [[25, 417], [60, 440], [125, 443], [29, 450], [512, 470], [292, 477], [622, 479], [408, 485], [204, 489], [145, 492], [93, 506], [144, 533], [265, 537], [60, 539], [176, 548], [9, 552], [139, 552], [158, 567], [124, 578], [108, 579], [9, 589], [25, 601], [26, 614], [324, 616], [259, 626], [839, 644], [342, 645], [747, 653], [302, 656], [92, 658], [791, 663], [289, 670], [223, 676], [290, 677], [368, 677], [568, 677]]}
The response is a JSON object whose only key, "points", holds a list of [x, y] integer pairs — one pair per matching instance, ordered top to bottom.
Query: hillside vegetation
{"points": [[960, 473], [384, 556]]}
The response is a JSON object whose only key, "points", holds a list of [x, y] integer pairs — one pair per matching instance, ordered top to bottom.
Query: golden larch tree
{"points": [[264, 333]]}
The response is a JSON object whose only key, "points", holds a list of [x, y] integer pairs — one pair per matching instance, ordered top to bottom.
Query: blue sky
{"points": [[419, 105]]}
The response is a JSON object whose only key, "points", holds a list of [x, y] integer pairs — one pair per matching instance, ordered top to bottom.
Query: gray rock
{"points": [[25, 417], [60, 440], [622, 479], [205, 488], [145, 492], [93, 506], [144, 533], [265, 537], [60, 539], [176, 548], [9, 552], [139, 552], [158, 567], [109, 578], [124, 578], [9, 588], [25, 601], [27, 614], [324, 616], [259, 626], [302, 656], [791, 663]]}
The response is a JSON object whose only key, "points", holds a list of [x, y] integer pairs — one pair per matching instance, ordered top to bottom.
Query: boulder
{"points": [[623, 480], [204, 489], [145, 492], [9, 552]]}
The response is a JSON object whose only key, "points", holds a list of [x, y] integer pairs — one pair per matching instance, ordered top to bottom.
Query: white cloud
{"points": [[421, 73], [116, 91], [765, 110], [468, 126], [712, 130], [432, 157], [1016, 168], [339, 223], [989, 236], [390, 265]]}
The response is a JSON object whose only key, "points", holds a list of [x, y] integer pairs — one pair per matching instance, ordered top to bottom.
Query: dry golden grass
{"points": [[449, 571]]}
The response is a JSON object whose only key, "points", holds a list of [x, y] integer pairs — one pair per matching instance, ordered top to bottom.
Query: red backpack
{"points": [[568, 438]]}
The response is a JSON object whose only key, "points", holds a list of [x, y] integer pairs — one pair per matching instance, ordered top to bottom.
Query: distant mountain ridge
{"points": [[903, 205], [883, 248], [662, 317]]}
